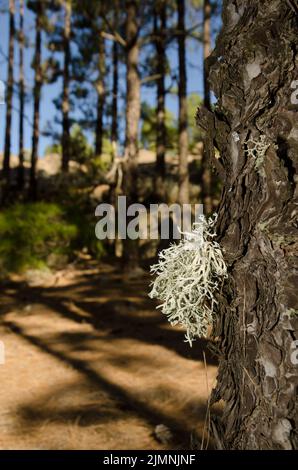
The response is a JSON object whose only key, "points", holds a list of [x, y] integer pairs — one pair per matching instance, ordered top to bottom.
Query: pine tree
{"points": [[67, 8], [160, 27], [115, 60], [37, 65], [100, 88], [9, 94], [21, 97], [133, 111], [254, 128], [206, 164], [183, 196]]}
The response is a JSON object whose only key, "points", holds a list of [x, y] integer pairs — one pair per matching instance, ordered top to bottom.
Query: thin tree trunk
{"points": [[207, 50], [66, 80], [100, 86], [9, 94], [22, 99], [36, 105], [133, 111], [114, 129], [255, 129], [161, 135], [206, 164], [114, 189], [183, 195]]}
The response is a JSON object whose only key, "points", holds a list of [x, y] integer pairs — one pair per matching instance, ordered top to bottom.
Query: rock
{"points": [[39, 277]]}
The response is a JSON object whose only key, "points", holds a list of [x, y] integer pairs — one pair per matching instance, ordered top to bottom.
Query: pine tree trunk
{"points": [[160, 25], [115, 59], [251, 71], [66, 80], [9, 94], [100, 96], [22, 99], [36, 104], [133, 110], [206, 164], [183, 195]]}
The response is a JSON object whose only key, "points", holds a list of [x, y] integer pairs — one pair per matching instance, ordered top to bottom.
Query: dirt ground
{"points": [[90, 364]]}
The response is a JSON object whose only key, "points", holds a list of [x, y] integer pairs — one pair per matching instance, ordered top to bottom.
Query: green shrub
{"points": [[82, 217], [29, 233]]}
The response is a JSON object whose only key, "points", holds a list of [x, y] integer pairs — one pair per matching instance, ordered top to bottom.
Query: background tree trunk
{"points": [[160, 25], [115, 59], [251, 71], [66, 79], [9, 94], [100, 96], [22, 98], [36, 104], [133, 111], [183, 195]]}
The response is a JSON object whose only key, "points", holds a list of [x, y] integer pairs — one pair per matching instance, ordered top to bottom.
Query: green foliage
{"points": [[148, 130], [194, 133], [80, 149], [79, 216], [29, 233]]}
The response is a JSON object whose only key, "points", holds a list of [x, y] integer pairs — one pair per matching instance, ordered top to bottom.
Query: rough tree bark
{"points": [[160, 25], [251, 71], [66, 80], [9, 93], [22, 98], [36, 101], [133, 111], [206, 167], [183, 196]]}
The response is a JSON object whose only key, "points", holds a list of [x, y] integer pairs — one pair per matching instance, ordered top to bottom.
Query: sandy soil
{"points": [[90, 364]]}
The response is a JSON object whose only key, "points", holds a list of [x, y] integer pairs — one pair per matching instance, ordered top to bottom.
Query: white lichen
{"points": [[253, 70], [235, 136], [257, 149], [188, 275]]}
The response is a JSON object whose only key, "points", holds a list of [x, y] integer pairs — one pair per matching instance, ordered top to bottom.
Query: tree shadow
{"points": [[121, 310], [34, 413]]}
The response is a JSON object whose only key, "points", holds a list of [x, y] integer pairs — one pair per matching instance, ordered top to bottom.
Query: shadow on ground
{"points": [[105, 367]]}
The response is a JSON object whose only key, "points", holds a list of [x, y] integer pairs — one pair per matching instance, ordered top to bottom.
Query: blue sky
{"points": [[49, 92]]}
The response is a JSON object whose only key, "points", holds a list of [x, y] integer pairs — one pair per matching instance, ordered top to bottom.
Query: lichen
{"points": [[257, 149], [188, 275], [291, 312]]}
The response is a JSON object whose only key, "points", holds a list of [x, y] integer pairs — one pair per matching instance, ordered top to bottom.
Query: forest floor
{"points": [[90, 364]]}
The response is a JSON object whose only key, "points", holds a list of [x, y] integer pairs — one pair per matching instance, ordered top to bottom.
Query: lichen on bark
{"points": [[251, 71]]}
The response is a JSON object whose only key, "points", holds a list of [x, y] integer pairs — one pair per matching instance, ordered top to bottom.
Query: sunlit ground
{"points": [[90, 364]]}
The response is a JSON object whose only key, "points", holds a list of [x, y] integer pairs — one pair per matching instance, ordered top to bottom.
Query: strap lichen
{"points": [[187, 276]]}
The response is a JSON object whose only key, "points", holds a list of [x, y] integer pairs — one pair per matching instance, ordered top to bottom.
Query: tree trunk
{"points": [[160, 24], [115, 59], [251, 72], [66, 80], [9, 94], [100, 96], [22, 99], [36, 105], [133, 111], [206, 165], [183, 195]]}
